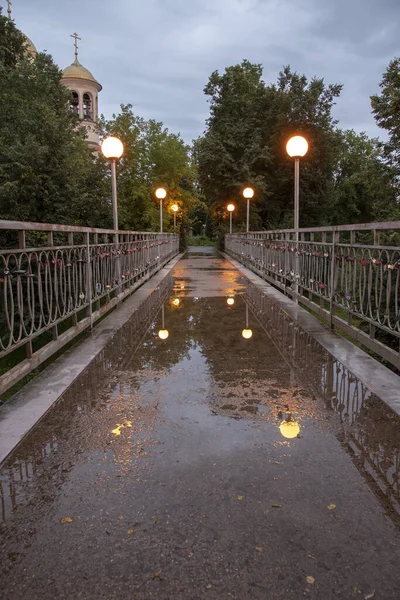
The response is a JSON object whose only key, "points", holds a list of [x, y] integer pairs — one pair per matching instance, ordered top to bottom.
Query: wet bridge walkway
{"points": [[233, 459]]}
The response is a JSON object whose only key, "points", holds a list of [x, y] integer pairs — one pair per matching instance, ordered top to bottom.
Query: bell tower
{"points": [[85, 89]]}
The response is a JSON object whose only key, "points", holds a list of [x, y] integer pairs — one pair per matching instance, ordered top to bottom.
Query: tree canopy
{"points": [[47, 172]]}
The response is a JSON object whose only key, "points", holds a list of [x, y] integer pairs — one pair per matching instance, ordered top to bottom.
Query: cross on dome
{"points": [[9, 3], [76, 38]]}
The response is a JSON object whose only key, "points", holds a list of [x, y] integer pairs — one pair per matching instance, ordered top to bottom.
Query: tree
{"points": [[386, 109], [245, 141], [152, 157], [47, 172], [364, 186]]}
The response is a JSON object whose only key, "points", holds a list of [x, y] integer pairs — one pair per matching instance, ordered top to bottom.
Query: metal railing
{"points": [[348, 274], [63, 282]]}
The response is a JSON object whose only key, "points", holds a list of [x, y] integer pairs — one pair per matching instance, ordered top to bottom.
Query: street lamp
{"points": [[296, 147], [113, 148], [248, 193], [161, 194], [231, 208], [175, 209], [247, 333]]}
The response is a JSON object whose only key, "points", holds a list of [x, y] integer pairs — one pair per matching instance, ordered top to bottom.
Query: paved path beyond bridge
{"points": [[206, 465]]}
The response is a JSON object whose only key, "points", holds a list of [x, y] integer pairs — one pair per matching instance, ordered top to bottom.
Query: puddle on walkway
{"points": [[231, 459]]}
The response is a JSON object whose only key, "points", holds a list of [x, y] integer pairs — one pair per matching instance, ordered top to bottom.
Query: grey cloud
{"points": [[158, 54]]}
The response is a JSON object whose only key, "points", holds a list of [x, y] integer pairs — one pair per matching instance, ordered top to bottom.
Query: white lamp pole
{"points": [[297, 147], [112, 148], [161, 193], [248, 193], [231, 208], [175, 209]]}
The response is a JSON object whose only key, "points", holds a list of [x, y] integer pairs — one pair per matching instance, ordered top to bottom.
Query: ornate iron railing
{"points": [[348, 274], [63, 282]]}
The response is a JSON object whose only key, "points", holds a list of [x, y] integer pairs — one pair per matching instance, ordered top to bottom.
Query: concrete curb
{"points": [[375, 376], [28, 406]]}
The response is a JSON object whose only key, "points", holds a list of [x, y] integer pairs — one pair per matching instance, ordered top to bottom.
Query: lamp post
{"points": [[296, 147], [112, 148], [248, 193], [161, 194], [231, 208], [175, 209]]}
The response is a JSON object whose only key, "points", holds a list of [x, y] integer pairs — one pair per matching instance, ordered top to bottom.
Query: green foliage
{"points": [[386, 109], [244, 144], [152, 157], [47, 172], [364, 186]]}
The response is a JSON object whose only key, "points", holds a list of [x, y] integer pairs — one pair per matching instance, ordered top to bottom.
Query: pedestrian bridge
{"points": [[212, 433]]}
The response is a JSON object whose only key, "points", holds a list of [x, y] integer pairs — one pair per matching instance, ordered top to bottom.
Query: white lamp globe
{"points": [[297, 146], [112, 147], [248, 192], [161, 193], [231, 207]]}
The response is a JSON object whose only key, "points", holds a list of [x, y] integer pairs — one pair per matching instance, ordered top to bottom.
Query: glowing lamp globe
{"points": [[297, 146], [112, 147], [248, 192], [161, 193], [175, 207], [231, 207], [230, 301], [176, 302], [163, 334], [247, 334], [289, 429]]}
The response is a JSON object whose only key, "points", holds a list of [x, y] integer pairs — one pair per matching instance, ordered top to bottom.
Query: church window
{"points": [[74, 106], [87, 107]]}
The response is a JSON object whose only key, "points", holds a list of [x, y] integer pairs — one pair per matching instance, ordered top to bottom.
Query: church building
{"points": [[84, 88]]}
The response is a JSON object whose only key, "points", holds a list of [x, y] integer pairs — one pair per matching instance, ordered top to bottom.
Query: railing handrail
{"points": [[383, 225], [48, 227]]}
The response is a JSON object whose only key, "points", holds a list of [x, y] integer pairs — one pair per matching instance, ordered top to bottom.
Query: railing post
{"points": [[335, 241], [88, 278]]}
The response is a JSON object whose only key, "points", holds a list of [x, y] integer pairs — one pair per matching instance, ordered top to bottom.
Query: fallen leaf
{"points": [[240, 497], [276, 505], [331, 506], [204, 516], [120, 517], [155, 519], [66, 520], [131, 531], [260, 549], [191, 554], [312, 556], [157, 575], [310, 579], [371, 595]]}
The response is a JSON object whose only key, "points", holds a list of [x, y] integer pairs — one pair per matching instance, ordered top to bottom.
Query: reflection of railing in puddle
{"points": [[371, 429], [21, 467]]}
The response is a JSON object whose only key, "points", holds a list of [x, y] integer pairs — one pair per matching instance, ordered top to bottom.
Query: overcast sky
{"points": [[158, 54]]}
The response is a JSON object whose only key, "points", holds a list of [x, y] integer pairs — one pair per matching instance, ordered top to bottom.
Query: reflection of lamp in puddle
{"points": [[230, 301], [176, 302], [163, 333], [247, 333], [289, 428]]}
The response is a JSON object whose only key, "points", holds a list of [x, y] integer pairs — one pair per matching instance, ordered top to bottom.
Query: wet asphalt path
{"points": [[166, 472]]}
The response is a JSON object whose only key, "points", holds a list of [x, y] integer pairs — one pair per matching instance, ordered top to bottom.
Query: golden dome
{"points": [[30, 46], [77, 71]]}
